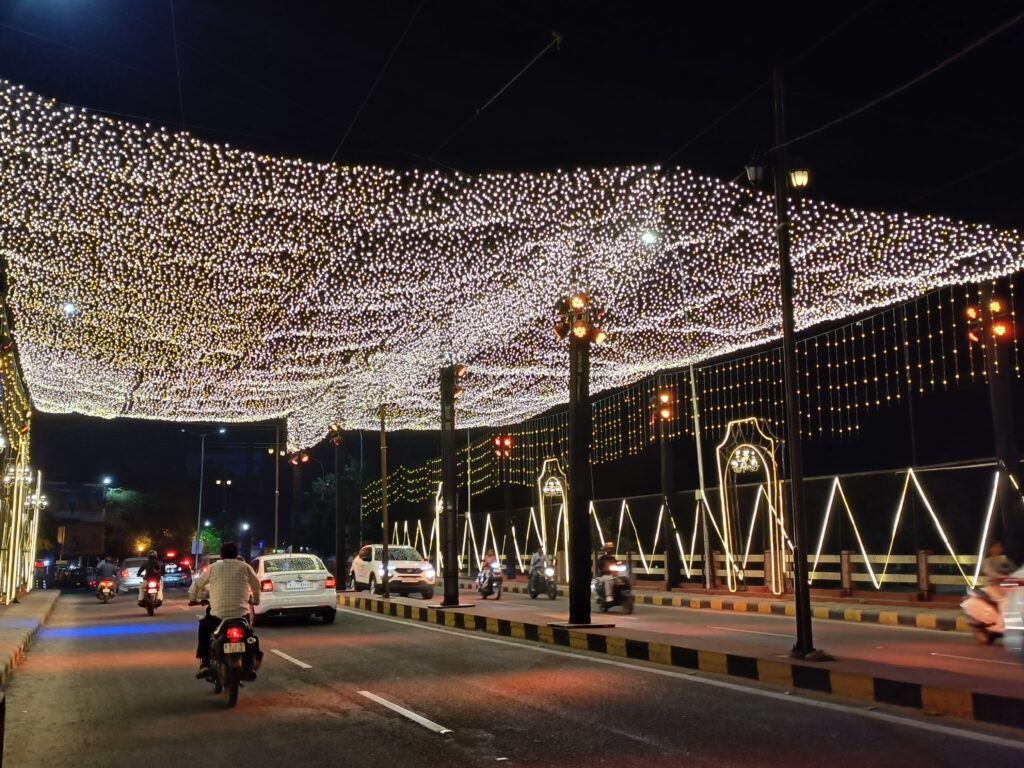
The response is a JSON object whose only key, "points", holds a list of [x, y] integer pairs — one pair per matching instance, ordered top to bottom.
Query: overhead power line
{"points": [[909, 84]]}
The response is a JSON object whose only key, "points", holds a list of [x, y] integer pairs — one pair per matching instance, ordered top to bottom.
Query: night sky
{"points": [[629, 82]]}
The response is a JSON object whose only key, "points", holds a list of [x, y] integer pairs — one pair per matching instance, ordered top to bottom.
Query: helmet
{"points": [[152, 554]]}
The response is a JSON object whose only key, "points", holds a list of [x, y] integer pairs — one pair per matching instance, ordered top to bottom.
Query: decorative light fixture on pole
{"points": [[798, 180], [579, 320], [991, 326], [450, 392], [665, 405], [385, 574]]}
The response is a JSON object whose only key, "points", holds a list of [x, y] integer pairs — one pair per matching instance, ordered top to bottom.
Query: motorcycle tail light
{"points": [[330, 582], [152, 584], [266, 586], [235, 634]]}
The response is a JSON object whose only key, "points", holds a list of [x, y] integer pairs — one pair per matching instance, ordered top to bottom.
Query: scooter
{"points": [[489, 581], [542, 582], [106, 589], [622, 592], [151, 601], [985, 614], [235, 656]]}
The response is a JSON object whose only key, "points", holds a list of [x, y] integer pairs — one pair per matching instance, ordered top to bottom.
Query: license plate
{"points": [[413, 579], [298, 584], [151, 591], [234, 647]]}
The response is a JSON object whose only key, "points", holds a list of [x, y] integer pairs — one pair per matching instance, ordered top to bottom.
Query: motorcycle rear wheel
{"points": [[149, 609]]}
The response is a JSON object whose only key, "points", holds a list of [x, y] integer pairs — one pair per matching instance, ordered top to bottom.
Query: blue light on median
{"points": [[123, 630]]}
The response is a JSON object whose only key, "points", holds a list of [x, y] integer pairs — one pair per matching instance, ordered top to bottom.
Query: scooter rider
{"points": [[604, 567], [153, 568], [995, 568], [105, 569], [231, 583]]}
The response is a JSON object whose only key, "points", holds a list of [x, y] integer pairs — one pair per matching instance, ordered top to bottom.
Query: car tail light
{"points": [[124, 573], [330, 582], [92, 583], [152, 584], [266, 586], [235, 634]]}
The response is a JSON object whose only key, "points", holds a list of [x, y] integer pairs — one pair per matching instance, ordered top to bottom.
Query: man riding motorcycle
{"points": [[153, 568], [105, 569], [231, 583]]}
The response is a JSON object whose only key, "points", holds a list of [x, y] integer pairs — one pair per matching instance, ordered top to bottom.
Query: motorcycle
{"points": [[489, 581], [542, 581], [106, 588], [622, 592], [152, 600], [987, 616], [235, 656]]}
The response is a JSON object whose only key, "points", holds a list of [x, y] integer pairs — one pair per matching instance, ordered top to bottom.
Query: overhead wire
{"points": [[556, 40], [377, 80], [909, 84]]}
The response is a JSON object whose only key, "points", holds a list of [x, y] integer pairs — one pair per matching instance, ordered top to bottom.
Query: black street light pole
{"points": [[576, 318], [665, 407], [579, 466], [340, 519], [449, 554], [385, 575], [804, 646]]}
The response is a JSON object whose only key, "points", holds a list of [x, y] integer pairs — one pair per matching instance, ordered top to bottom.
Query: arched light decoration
{"points": [[212, 284]]}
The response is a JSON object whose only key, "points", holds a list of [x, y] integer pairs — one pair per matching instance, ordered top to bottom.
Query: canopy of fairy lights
{"points": [[154, 275]]}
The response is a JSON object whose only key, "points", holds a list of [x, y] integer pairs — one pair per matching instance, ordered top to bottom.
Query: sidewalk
{"points": [[941, 617], [19, 623], [996, 697]]}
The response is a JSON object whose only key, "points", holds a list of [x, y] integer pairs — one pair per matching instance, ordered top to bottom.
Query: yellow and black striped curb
{"points": [[919, 619], [989, 708]]}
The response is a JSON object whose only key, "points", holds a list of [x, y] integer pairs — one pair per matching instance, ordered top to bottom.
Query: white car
{"points": [[409, 571], [294, 584]]}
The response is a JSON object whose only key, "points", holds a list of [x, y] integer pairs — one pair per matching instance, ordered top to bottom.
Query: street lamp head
{"points": [[755, 170], [799, 178], [650, 237], [578, 301], [995, 305], [579, 329], [460, 371], [457, 393], [222, 430], [270, 451], [107, 480], [217, 481], [228, 482], [206, 523], [245, 526]]}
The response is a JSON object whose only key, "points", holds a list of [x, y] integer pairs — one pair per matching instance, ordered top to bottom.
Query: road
{"points": [[947, 658], [105, 685]]}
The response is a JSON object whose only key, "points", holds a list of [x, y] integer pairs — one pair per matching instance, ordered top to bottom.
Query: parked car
{"points": [[408, 571], [293, 584]]}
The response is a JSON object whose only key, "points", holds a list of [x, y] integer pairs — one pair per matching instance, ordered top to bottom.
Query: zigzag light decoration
{"points": [[153, 275]]}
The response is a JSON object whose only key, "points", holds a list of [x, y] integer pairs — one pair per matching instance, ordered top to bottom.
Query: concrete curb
{"points": [[919, 619], [12, 653], [989, 708]]}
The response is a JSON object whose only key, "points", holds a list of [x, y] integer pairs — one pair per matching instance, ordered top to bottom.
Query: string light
{"points": [[213, 284]]}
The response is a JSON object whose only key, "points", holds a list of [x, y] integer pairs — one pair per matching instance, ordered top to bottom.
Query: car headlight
{"points": [[429, 572], [549, 572]]}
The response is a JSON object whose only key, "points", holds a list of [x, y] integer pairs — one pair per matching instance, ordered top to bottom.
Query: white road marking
{"points": [[749, 631], [971, 658], [292, 659], [691, 677], [406, 713]]}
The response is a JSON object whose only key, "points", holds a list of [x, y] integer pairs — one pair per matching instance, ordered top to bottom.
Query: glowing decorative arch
{"points": [[747, 446]]}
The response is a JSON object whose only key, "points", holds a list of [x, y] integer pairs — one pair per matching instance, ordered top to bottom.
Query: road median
{"points": [[19, 623], [834, 677]]}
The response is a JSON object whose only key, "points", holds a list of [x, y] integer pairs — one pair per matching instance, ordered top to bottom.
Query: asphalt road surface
{"points": [[945, 658], [105, 685]]}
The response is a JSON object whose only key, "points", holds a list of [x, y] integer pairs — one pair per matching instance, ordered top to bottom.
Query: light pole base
{"points": [[453, 605], [570, 625], [815, 655]]}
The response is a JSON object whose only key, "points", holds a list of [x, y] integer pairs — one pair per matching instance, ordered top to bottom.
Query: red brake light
{"points": [[171, 555], [186, 562], [124, 573], [330, 582], [152, 584], [266, 586], [235, 634]]}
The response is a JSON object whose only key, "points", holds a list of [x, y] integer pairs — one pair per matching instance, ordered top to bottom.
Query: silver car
{"points": [[130, 580]]}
